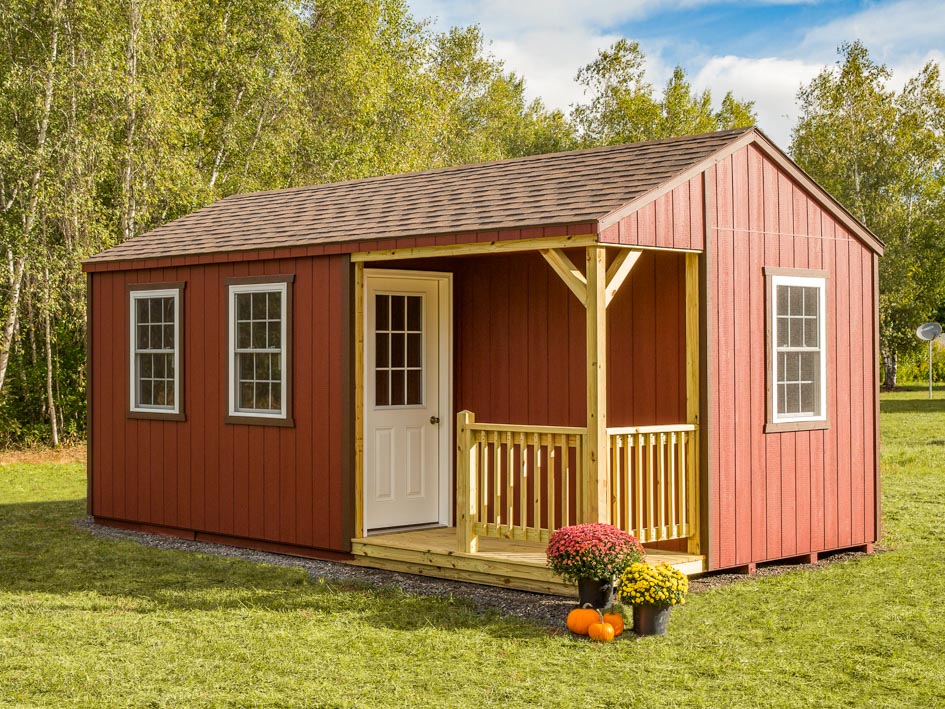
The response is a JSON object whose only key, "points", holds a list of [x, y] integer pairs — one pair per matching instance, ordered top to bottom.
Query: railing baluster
{"points": [[537, 467], [496, 480], [565, 481], [510, 484], [673, 484], [683, 484], [640, 532]]}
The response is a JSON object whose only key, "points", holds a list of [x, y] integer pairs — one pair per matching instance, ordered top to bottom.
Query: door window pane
{"points": [[398, 350]]}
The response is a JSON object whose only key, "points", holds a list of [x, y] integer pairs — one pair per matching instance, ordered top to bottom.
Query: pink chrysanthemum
{"points": [[592, 551]]}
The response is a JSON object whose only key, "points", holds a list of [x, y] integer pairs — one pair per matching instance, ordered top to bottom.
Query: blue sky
{"points": [[763, 50]]}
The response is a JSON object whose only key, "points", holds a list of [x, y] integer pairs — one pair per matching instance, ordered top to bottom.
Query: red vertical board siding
{"points": [[673, 220], [742, 332], [519, 343], [725, 383], [756, 392], [202, 474], [782, 494]]}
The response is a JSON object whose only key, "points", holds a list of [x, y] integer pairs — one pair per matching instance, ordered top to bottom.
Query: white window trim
{"points": [[807, 282], [276, 286], [135, 295]]}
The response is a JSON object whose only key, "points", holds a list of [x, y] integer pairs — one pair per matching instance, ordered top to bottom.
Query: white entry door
{"points": [[406, 416]]}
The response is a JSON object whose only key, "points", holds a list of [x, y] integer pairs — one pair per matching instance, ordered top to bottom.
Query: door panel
{"points": [[402, 363]]}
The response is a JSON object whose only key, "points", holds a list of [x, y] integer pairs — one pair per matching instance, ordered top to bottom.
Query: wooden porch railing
{"points": [[652, 480], [516, 482], [523, 482]]}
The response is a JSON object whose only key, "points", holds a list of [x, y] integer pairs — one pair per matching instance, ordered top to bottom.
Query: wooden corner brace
{"points": [[617, 272]]}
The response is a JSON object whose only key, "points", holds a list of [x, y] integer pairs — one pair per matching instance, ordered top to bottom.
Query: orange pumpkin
{"points": [[580, 619], [616, 620], [601, 630]]}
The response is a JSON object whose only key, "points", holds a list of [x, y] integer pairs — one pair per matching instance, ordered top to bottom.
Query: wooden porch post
{"points": [[693, 365], [467, 478], [596, 483]]}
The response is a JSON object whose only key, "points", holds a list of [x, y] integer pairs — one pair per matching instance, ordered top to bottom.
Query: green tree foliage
{"points": [[623, 107], [119, 115], [882, 154]]}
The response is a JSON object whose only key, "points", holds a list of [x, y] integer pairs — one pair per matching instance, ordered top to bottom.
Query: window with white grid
{"points": [[155, 316], [258, 317], [799, 361]]}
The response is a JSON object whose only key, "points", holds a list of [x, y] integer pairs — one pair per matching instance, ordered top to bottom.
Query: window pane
{"points": [[811, 296], [783, 297], [796, 302], [243, 306], [259, 306], [397, 307], [141, 308], [274, 309], [169, 310], [382, 312], [415, 313], [783, 331], [797, 332], [811, 332], [243, 335], [259, 335], [168, 337], [274, 337], [156, 338], [143, 340], [382, 349], [414, 349], [397, 350], [168, 365], [158, 366], [782, 366], [810, 366], [245, 367], [262, 367], [275, 367], [793, 367], [145, 368], [381, 383], [414, 389], [159, 390], [145, 391], [169, 392], [398, 394], [245, 395], [262, 395], [276, 397], [782, 398], [793, 398], [807, 398]]}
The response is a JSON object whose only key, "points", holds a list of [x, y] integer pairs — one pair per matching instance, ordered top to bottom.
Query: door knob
{"points": [[434, 419]]}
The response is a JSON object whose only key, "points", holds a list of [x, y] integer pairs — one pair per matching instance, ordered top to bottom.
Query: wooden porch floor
{"points": [[499, 562]]}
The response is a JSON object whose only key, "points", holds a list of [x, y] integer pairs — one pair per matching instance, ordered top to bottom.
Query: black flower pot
{"points": [[597, 593], [650, 620]]}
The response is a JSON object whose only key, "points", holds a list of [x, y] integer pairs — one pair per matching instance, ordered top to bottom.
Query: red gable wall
{"points": [[775, 495]]}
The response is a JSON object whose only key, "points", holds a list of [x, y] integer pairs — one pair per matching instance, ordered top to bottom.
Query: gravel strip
{"points": [[535, 607]]}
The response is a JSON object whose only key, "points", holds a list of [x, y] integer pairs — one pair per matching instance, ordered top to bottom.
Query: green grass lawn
{"points": [[93, 622]]}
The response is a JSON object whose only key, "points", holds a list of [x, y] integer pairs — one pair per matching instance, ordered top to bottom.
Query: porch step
{"points": [[499, 562]]}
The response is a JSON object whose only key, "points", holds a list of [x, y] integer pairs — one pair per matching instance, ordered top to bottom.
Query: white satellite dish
{"points": [[929, 331]]}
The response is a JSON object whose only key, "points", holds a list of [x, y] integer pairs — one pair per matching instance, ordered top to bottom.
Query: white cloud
{"points": [[547, 41], [772, 83]]}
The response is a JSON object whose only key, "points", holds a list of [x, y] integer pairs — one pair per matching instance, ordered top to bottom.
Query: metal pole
{"points": [[930, 369]]}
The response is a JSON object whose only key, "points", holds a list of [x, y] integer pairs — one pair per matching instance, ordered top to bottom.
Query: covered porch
{"points": [[513, 481]]}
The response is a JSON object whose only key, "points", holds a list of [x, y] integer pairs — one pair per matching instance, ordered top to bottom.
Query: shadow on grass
{"points": [[914, 404], [41, 552]]}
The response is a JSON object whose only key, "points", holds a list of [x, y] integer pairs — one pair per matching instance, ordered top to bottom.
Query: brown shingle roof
{"points": [[542, 190]]}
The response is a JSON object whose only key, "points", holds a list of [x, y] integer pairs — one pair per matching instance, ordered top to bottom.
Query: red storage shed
{"points": [[431, 372]]}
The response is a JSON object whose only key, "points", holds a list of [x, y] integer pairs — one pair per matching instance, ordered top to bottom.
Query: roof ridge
{"points": [[540, 157]]}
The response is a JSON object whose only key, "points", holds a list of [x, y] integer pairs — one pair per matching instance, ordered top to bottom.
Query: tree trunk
{"points": [[129, 202], [19, 265], [890, 366], [53, 421]]}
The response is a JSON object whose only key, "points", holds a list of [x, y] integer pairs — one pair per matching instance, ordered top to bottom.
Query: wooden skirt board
{"points": [[499, 562]]}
